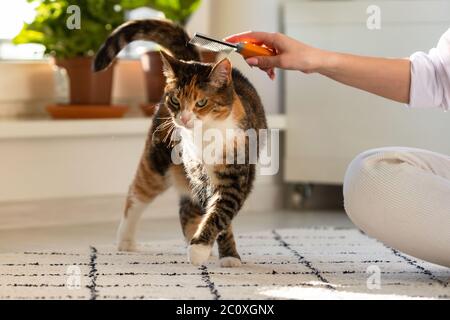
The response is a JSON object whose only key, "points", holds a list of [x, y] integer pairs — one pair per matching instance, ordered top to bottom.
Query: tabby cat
{"points": [[220, 97]]}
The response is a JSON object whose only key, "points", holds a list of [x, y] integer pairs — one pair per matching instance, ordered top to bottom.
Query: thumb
{"points": [[263, 62]]}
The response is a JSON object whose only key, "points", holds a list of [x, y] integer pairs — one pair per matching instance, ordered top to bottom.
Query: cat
{"points": [[220, 97]]}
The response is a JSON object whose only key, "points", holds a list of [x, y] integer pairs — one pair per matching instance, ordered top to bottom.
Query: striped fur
{"points": [[166, 33], [210, 194]]}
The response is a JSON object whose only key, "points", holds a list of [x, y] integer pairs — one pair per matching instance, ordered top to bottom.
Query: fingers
{"points": [[253, 37], [253, 62], [264, 62], [269, 70], [270, 73]]}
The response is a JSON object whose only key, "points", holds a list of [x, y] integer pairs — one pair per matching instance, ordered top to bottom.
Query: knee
{"points": [[356, 174], [366, 180]]}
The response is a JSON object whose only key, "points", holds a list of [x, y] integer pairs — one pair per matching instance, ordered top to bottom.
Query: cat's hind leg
{"points": [[150, 181], [126, 233]]}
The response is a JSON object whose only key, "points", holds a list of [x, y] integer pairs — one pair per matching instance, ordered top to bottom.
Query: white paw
{"points": [[127, 245], [198, 254], [230, 262]]}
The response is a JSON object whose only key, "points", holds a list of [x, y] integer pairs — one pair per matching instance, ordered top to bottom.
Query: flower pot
{"points": [[209, 56], [154, 77], [155, 81], [26, 87], [87, 87], [89, 92]]}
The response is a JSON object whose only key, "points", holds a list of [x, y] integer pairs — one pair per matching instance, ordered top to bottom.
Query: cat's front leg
{"points": [[231, 186], [216, 220], [228, 255]]}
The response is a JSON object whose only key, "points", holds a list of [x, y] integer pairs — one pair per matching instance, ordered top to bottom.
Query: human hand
{"points": [[291, 54]]}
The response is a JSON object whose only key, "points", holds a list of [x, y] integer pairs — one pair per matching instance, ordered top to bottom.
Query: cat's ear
{"points": [[169, 65], [221, 73]]}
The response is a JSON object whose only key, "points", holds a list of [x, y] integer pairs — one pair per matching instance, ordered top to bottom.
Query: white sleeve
{"points": [[430, 76]]}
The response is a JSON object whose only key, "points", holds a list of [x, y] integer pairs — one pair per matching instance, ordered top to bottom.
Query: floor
{"points": [[87, 224], [295, 263]]}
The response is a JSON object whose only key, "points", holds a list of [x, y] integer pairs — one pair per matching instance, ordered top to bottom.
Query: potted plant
{"points": [[180, 12], [72, 46]]}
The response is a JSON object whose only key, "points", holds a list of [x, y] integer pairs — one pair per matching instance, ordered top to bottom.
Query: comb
{"points": [[246, 49]]}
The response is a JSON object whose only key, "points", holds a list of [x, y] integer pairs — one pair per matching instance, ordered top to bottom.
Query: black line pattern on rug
{"points": [[51, 253], [98, 254], [302, 259], [422, 269], [93, 273], [221, 273], [207, 280]]}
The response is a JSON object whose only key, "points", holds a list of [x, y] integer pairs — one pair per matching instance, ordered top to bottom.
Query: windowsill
{"points": [[47, 128]]}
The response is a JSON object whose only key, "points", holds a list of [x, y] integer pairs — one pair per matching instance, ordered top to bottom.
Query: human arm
{"points": [[389, 78]]}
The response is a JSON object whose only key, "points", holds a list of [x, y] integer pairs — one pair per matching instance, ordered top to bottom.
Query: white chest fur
{"points": [[208, 143]]}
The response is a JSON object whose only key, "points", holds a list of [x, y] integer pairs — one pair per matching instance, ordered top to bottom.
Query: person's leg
{"points": [[401, 196]]}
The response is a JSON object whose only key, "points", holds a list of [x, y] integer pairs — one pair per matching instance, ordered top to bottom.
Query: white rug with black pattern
{"points": [[321, 263]]}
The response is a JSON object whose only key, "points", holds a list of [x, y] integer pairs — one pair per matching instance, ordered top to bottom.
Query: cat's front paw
{"points": [[127, 246], [198, 254], [230, 262]]}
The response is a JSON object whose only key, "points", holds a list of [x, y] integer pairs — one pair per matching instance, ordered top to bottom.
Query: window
{"points": [[14, 13], [12, 16]]}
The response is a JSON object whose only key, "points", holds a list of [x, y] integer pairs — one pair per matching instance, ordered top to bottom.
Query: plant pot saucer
{"points": [[150, 108], [66, 111]]}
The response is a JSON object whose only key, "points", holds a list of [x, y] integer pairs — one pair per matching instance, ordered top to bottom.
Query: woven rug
{"points": [[320, 263]]}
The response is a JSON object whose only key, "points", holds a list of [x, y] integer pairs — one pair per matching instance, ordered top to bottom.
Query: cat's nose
{"points": [[185, 118]]}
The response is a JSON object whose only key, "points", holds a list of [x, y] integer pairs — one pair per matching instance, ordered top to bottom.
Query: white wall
{"points": [[201, 19]]}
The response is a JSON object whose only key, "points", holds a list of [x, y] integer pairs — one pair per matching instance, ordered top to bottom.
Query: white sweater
{"points": [[430, 76]]}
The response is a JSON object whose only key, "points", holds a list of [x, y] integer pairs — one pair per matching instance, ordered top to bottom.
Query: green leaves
{"points": [[132, 4], [176, 10], [98, 19], [49, 28]]}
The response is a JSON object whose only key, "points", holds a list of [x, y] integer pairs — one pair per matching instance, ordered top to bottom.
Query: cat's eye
{"points": [[174, 100], [202, 103]]}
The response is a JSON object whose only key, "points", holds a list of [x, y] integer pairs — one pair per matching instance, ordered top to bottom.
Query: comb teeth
{"points": [[211, 44]]}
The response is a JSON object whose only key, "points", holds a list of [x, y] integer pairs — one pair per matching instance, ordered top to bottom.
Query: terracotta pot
{"points": [[209, 56], [154, 77], [87, 87]]}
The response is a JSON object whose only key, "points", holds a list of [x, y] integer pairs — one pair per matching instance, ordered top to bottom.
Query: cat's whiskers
{"points": [[164, 125], [169, 133]]}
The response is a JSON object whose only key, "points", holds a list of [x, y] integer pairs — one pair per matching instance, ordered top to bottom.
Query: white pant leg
{"points": [[401, 196]]}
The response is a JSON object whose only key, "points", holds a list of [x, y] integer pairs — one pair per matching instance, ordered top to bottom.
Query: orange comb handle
{"points": [[248, 50]]}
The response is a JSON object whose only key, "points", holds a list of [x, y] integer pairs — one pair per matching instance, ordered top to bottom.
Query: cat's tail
{"points": [[167, 34]]}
